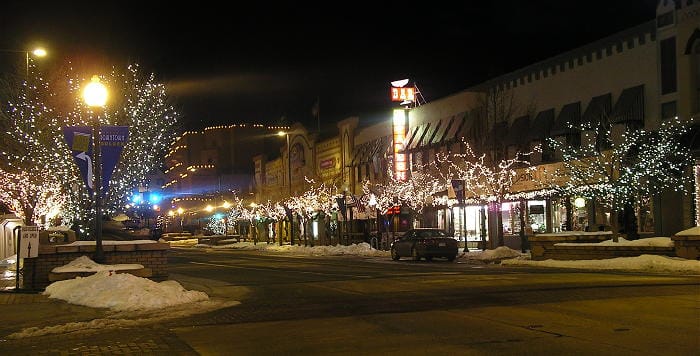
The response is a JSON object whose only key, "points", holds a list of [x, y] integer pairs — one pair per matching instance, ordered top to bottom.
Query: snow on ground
{"points": [[361, 249], [502, 254], [85, 264], [122, 291], [126, 295]]}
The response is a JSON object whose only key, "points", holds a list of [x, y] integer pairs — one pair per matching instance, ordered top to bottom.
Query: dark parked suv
{"points": [[425, 243]]}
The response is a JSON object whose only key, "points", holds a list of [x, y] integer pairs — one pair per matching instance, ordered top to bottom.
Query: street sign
{"points": [[79, 139], [112, 141], [29, 242]]}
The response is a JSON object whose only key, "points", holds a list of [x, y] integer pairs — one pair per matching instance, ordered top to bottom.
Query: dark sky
{"points": [[228, 63]]}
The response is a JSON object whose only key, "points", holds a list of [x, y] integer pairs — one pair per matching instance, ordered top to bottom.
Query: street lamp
{"points": [[37, 52], [95, 95], [289, 161], [289, 182]]}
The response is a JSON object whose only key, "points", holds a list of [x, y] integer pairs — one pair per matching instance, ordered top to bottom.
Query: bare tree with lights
{"points": [[622, 171], [484, 181], [316, 198]]}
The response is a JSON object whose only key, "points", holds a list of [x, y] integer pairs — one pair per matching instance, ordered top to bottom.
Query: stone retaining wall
{"points": [[541, 243], [687, 246], [569, 252], [153, 256]]}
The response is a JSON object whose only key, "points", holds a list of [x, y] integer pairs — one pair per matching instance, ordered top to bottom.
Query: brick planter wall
{"points": [[540, 243], [687, 246], [569, 252], [152, 256]]}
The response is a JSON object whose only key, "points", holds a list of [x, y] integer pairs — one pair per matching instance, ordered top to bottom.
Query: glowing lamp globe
{"points": [[39, 52], [95, 93], [579, 202]]}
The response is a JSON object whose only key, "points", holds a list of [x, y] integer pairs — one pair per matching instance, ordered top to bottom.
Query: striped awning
{"points": [[629, 106], [597, 110], [568, 121], [439, 126], [541, 126], [454, 127], [518, 132], [411, 136], [419, 136], [365, 152]]}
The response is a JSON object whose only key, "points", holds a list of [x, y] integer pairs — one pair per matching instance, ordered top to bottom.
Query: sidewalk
{"points": [[23, 311]]}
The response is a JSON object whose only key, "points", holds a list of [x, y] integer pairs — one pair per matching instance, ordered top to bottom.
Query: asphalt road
{"points": [[342, 305], [356, 305]]}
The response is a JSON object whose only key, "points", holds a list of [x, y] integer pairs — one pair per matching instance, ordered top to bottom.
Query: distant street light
{"points": [[37, 52], [95, 95], [289, 161]]}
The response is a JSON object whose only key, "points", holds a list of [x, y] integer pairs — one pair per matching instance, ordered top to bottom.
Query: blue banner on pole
{"points": [[79, 139], [112, 142]]}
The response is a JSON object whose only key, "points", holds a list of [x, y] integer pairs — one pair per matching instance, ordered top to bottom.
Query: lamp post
{"points": [[37, 52], [95, 95], [289, 182], [226, 205]]}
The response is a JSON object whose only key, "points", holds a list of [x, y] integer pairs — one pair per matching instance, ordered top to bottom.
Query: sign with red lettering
{"points": [[403, 94], [328, 163]]}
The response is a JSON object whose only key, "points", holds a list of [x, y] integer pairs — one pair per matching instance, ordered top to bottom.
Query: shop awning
{"points": [[629, 106], [597, 111], [568, 121], [541, 125], [454, 127], [473, 130], [518, 132], [437, 133], [411, 136], [420, 136], [381, 148]]}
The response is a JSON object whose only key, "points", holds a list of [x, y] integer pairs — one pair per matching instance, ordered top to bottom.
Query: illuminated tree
{"points": [[32, 140], [31, 167], [620, 170], [484, 181], [415, 192], [317, 198]]}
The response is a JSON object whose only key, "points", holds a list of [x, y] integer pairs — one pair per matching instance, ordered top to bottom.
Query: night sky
{"points": [[225, 62]]}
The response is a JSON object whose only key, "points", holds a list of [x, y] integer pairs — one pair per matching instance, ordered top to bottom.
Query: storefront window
{"points": [[645, 215], [511, 218], [537, 218], [467, 223]]}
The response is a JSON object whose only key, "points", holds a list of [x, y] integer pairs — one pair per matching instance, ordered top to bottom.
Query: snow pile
{"points": [[652, 241], [361, 249], [496, 255], [647, 263], [85, 264], [122, 292]]}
